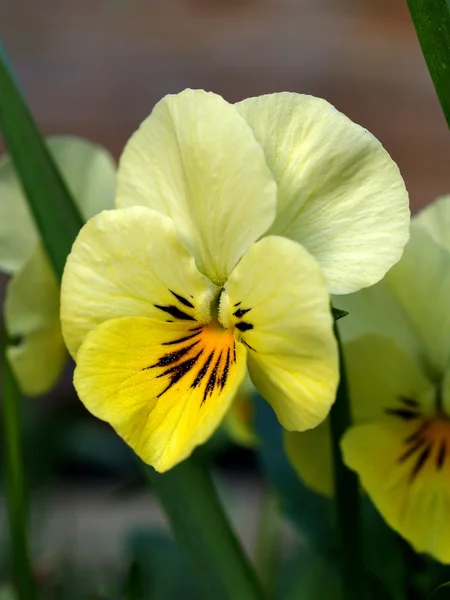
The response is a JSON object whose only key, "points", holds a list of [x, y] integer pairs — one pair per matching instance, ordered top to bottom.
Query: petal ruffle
{"points": [[196, 160], [89, 172], [339, 193], [435, 218], [130, 262], [278, 301], [32, 317], [164, 387], [239, 421], [405, 469]]}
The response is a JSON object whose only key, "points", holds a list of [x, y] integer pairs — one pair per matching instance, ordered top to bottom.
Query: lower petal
{"points": [[278, 302], [164, 387], [405, 469]]}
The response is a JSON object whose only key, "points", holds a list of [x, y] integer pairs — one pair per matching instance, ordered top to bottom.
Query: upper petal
{"points": [[196, 160], [89, 172], [339, 192], [435, 218], [130, 262], [278, 301], [31, 311], [164, 387]]}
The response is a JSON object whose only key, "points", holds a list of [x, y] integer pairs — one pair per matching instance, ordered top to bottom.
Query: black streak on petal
{"points": [[182, 300], [175, 312], [240, 312], [243, 326], [179, 340], [247, 344], [172, 357], [226, 368], [178, 371], [201, 374], [209, 388], [409, 402], [404, 413], [418, 433], [412, 450], [441, 456], [421, 461]]}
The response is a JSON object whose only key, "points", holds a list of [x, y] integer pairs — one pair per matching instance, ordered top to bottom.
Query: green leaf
{"points": [[432, 22], [52, 206], [338, 313], [441, 593]]}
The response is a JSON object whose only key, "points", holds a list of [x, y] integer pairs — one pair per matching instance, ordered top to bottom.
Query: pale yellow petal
{"points": [[196, 160], [89, 172], [339, 193], [435, 218], [130, 262], [421, 285], [278, 301], [31, 312], [38, 359], [384, 379], [164, 387], [310, 454], [405, 469]]}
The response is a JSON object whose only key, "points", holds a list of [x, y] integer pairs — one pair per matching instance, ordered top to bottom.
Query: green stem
{"points": [[431, 20], [15, 483], [346, 494], [198, 521], [268, 540]]}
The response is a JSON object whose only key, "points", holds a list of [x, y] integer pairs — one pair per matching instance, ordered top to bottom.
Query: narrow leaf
{"points": [[431, 19], [53, 209]]}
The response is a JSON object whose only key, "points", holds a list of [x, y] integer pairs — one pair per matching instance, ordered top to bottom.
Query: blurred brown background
{"points": [[96, 67]]}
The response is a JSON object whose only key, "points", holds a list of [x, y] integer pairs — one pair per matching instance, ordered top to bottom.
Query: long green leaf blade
{"points": [[431, 19], [54, 211]]}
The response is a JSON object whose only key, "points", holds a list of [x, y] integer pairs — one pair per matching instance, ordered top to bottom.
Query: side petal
{"points": [[196, 160], [89, 172], [339, 193], [435, 218], [18, 237], [130, 262], [421, 285], [277, 300], [377, 310], [32, 318], [384, 380], [164, 394], [310, 454], [407, 476]]}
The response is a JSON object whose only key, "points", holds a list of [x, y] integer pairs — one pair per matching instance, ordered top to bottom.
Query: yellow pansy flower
{"points": [[166, 299], [31, 307], [398, 362]]}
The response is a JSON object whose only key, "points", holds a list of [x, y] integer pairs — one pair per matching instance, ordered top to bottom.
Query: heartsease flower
{"points": [[167, 299], [31, 308], [398, 362]]}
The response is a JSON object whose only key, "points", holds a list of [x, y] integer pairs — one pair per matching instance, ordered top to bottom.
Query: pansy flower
{"points": [[233, 223], [31, 307], [398, 361]]}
